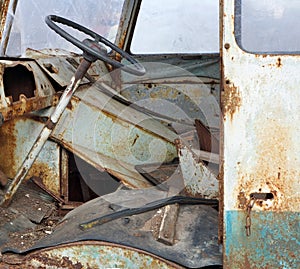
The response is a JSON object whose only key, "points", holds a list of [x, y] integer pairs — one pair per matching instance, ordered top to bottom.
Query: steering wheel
{"points": [[91, 47]]}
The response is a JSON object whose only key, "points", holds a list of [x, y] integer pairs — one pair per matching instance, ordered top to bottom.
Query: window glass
{"points": [[268, 25], [177, 26], [30, 30]]}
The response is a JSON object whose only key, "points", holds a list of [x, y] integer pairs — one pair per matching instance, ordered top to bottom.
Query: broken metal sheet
{"points": [[56, 66], [61, 66], [59, 69], [22, 99], [113, 136], [207, 141], [261, 166], [159, 174], [193, 178], [198, 179], [31, 204], [28, 209], [167, 228], [196, 229]]}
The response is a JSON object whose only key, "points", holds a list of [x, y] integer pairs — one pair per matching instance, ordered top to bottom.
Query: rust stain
{"points": [[4, 10], [123, 37], [260, 55], [278, 63], [166, 92], [231, 99], [25, 105], [135, 139], [8, 147], [272, 172], [47, 176], [220, 178], [3, 179], [38, 181], [242, 200], [48, 260], [242, 261]]}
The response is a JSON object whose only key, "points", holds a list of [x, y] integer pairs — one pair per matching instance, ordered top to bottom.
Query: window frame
{"points": [[129, 30], [238, 35]]}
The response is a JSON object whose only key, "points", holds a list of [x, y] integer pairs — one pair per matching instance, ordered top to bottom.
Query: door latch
{"points": [[253, 198]]}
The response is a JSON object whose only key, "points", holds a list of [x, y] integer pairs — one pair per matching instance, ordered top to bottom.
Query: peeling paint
{"points": [[231, 99], [198, 180], [91, 254]]}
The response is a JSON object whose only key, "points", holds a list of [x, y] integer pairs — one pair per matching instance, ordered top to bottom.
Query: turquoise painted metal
{"points": [[114, 136], [273, 243], [91, 254]]}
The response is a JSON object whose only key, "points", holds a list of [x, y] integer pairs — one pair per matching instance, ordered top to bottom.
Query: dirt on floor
{"points": [[32, 215]]}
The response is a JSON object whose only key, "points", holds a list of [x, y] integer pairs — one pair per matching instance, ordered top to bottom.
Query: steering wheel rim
{"points": [[135, 68]]}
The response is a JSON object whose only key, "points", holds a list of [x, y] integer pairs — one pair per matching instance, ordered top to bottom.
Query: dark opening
{"points": [[18, 80], [86, 182], [262, 196]]}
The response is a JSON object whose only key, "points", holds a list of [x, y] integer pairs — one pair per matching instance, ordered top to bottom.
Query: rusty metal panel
{"points": [[30, 92], [181, 99], [260, 103], [112, 136], [16, 138], [198, 179], [93, 254]]}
